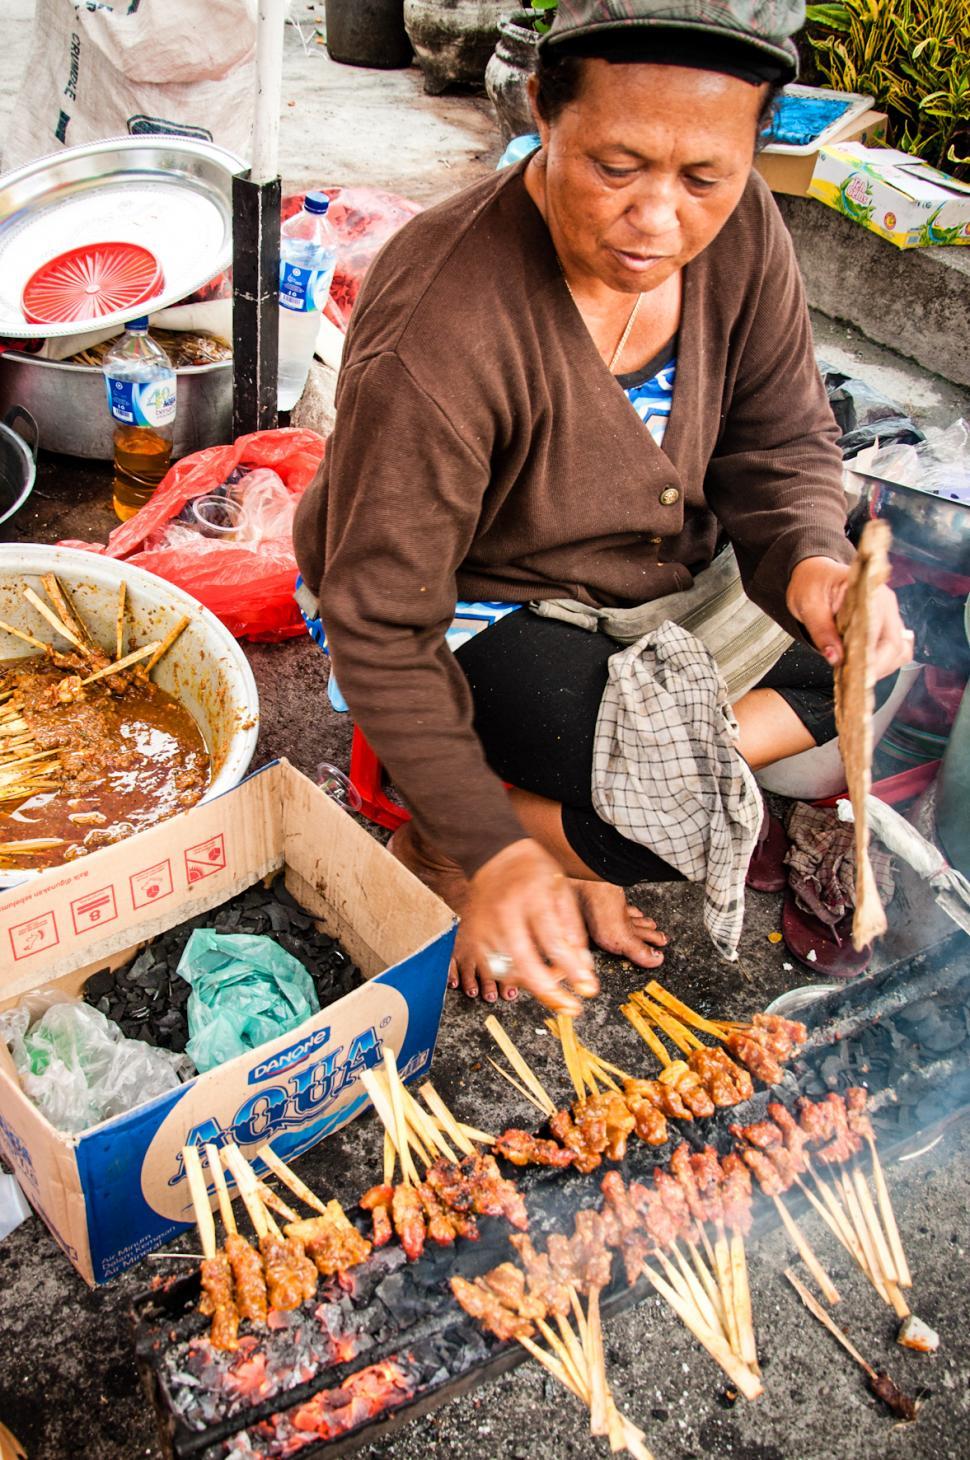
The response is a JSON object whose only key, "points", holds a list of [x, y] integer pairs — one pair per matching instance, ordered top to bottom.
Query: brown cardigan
{"points": [[483, 450]]}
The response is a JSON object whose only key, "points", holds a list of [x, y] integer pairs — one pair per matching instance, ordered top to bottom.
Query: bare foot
{"points": [[446, 879], [617, 926]]}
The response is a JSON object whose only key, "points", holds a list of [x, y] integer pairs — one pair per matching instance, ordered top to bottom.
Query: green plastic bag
{"points": [[246, 989]]}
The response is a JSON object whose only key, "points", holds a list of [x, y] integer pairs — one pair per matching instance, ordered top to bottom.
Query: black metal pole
{"points": [[255, 303]]}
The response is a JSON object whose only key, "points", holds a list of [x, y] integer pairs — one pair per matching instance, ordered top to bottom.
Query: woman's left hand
{"points": [[816, 590]]}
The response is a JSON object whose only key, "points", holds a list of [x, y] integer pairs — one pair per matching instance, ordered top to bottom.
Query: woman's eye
{"points": [[620, 173], [702, 184]]}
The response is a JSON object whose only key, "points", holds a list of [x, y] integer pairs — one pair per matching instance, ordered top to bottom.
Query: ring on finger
{"points": [[499, 965]]}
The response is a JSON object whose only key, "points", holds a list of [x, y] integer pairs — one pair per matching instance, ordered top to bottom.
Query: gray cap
{"points": [[758, 26]]}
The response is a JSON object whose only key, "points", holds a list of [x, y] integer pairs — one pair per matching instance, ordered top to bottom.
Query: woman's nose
{"points": [[654, 212]]}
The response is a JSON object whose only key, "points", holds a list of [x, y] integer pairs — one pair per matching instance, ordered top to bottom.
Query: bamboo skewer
{"points": [[62, 601], [120, 621], [57, 624], [25, 637], [162, 647], [119, 664], [683, 1011], [633, 1016], [676, 1032], [521, 1067], [515, 1084], [397, 1105], [440, 1110], [424, 1127], [390, 1158], [289, 1178], [245, 1179], [222, 1190], [200, 1200], [275, 1202], [889, 1219], [883, 1255], [722, 1262], [829, 1291], [742, 1293], [893, 1298], [817, 1311], [712, 1313], [711, 1339], [596, 1366]]}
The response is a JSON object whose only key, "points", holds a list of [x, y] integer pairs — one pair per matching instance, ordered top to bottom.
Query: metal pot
{"points": [[68, 402], [18, 461], [932, 529], [205, 668]]}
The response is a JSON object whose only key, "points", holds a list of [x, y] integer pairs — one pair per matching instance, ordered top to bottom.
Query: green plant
{"points": [[543, 14], [913, 56]]}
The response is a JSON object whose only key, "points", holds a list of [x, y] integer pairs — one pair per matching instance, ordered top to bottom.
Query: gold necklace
{"points": [[627, 330]]}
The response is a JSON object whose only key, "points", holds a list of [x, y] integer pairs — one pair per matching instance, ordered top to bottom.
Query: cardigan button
{"points": [[669, 496]]}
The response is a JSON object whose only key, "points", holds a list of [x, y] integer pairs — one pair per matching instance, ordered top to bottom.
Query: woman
{"points": [[490, 445]]}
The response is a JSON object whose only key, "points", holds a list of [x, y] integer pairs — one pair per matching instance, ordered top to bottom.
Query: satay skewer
{"points": [[64, 604], [683, 1011], [634, 1017], [397, 1106], [275, 1202], [879, 1242], [893, 1296], [742, 1297], [880, 1384]]}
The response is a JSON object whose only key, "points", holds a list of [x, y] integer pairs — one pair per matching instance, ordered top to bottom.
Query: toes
{"points": [[452, 974], [469, 980], [488, 989], [509, 993]]}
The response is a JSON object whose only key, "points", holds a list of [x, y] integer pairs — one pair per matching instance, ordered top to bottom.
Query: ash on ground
{"points": [[148, 999]]}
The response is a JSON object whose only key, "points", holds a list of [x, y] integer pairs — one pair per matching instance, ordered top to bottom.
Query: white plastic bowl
{"points": [[205, 667]]}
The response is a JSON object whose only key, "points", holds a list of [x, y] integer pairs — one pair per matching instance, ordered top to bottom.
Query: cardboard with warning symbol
{"points": [[116, 1192]]}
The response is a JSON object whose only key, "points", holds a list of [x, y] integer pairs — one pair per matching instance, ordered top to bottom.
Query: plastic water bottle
{"points": [[308, 256], [140, 382]]}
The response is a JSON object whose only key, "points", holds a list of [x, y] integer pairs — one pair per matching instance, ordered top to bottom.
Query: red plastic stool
{"points": [[367, 779]]}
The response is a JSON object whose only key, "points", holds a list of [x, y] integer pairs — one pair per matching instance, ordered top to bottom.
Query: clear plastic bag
{"points": [[940, 464], [246, 989], [78, 1067]]}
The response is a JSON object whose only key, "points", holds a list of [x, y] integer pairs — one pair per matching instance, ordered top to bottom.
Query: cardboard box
{"points": [[787, 171], [893, 194], [111, 1194]]}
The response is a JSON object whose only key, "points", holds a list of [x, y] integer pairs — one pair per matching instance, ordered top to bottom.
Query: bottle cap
{"points": [[316, 202], [137, 324]]}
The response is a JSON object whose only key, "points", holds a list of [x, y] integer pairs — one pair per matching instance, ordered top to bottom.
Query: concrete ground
{"points": [[68, 1386]]}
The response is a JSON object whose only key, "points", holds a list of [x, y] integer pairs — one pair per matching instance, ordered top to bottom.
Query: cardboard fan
{"points": [[88, 282]]}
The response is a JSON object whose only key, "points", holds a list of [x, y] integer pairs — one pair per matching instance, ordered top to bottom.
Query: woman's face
{"points": [[644, 167]]}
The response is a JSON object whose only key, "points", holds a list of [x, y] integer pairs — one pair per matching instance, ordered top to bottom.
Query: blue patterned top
{"points": [[650, 391]]}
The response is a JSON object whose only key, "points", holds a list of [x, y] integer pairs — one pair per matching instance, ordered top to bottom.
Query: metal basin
{"points": [[68, 404], [17, 460], [934, 530], [205, 668]]}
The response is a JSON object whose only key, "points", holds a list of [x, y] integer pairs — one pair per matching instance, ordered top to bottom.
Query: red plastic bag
{"points": [[363, 219], [251, 591]]}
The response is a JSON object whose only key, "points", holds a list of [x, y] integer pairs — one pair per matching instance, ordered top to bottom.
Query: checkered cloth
{"points": [[667, 773]]}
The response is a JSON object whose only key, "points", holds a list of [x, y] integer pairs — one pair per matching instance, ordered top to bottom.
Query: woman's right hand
{"points": [[522, 925]]}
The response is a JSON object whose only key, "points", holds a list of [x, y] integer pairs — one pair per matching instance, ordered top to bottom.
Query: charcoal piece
{"points": [[279, 918], [99, 983], [180, 991], [116, 1009], [916, 1012], [139, 1014], [168, 1022], [938, 1036]]}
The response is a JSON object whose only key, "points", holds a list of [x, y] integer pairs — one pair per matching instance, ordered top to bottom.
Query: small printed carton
{"points": [[789, 169], [893, 194], [113, 1193]]}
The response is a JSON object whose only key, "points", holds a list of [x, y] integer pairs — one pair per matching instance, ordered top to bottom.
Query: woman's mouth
{"points": [[638, 263]]}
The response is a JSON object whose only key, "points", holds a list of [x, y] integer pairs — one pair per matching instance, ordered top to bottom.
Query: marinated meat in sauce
{"points": [[129, 756]]}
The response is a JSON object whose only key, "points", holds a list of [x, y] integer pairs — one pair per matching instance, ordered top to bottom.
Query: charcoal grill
{"points": [[390, 1316]]}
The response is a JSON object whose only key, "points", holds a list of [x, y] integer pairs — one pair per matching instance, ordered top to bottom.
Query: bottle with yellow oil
{"points": [[141, 386]]}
